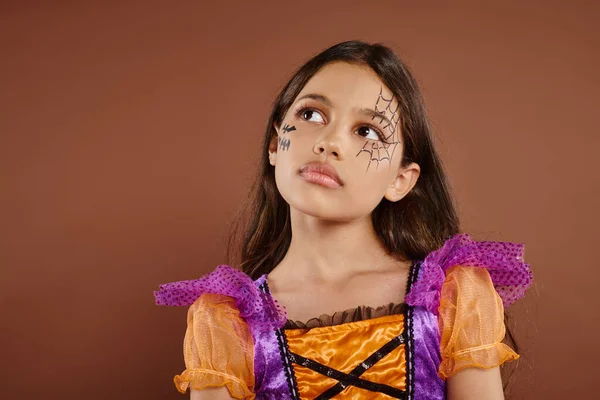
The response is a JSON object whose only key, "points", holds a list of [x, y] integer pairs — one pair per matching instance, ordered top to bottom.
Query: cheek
{"points": [[295, 147], [376, 155], [288, 162], [373, 182], [369, 185]]}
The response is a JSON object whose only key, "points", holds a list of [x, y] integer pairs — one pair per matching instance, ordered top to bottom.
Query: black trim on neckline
{"points": [[410, 342], [284, 352]]}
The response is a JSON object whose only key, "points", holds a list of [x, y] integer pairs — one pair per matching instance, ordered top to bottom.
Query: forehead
{"points": [[347, 85]]}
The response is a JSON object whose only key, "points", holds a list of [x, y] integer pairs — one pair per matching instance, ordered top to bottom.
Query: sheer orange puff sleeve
{"points": [[471, 322], [218, 348]]}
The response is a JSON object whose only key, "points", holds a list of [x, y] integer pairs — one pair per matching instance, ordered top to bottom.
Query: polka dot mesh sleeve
{"points": [[510, 275], [260, 311]]}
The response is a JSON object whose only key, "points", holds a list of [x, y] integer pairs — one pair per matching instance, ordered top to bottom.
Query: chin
{"points": [[319, 202], [323, 208], [323, 214]]}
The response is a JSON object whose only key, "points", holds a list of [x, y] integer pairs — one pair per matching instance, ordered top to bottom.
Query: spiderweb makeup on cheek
{"points": [[380, 151], [375, 152]]}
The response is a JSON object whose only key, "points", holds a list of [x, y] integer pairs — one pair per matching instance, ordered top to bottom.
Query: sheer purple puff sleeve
{"points": [[503, 260], [258, 310]]}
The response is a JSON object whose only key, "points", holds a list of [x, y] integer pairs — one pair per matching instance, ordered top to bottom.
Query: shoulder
{"points": [[496, 265], [223, 280], [224, 285], [470, 289], [208, 305], [216, 316]]}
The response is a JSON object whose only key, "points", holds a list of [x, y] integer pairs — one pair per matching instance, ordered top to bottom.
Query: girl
{"points": [[354, 281]]}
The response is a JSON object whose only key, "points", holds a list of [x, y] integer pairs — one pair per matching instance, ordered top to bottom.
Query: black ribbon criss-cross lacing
{"points": [[353, 378]]}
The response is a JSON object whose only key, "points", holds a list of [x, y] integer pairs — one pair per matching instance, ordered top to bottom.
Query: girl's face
{"points": [[344, 122]]}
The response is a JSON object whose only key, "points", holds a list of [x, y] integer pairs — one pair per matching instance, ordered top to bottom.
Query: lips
{"points": [[320, 173]]}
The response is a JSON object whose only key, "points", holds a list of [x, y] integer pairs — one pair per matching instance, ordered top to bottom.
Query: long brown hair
{"points": [[410, 228]]}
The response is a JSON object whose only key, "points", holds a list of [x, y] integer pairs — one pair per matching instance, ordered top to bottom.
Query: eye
{"points": [[308, 114], [369, 132]]}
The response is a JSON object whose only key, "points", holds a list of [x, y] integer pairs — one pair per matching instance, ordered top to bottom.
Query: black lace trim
{"points": [[409, 331], [284, 351]]}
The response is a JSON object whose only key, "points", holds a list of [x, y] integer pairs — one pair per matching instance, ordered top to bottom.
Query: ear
{"points": [[273, 146], [403, 183]]}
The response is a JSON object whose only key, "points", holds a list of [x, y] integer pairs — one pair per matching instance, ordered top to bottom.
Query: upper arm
{"points": [[471, 323], [218, 351], [475, 384], [218, 393]]}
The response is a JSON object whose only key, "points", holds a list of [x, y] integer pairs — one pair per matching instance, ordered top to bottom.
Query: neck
{"points": [[329, 251]]}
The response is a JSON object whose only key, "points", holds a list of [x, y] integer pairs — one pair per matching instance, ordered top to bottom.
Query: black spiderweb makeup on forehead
{"points": [[393, 117], [380, 151]]}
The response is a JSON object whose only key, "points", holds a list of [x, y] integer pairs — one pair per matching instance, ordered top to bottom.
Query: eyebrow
{"points": [[317, 97], [364, 111], [374, 114]]}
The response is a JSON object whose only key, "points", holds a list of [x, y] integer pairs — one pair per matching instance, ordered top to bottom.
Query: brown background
{"points": [[129, 132]]}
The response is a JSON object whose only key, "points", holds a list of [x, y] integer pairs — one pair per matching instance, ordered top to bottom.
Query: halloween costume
{"points": [[452, 318]]}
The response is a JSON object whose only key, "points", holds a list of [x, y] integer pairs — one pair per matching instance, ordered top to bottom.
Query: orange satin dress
{"points": [[344, 348]]}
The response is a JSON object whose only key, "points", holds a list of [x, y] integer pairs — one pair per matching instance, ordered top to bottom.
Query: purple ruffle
{"points": [[503, 260], [260, 311]]}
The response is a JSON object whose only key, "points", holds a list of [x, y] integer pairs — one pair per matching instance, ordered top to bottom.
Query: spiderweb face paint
{"points": [[392, 116], [380, 151]]}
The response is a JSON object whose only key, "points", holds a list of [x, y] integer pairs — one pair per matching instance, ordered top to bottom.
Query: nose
{"points": [[329, 143]]}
